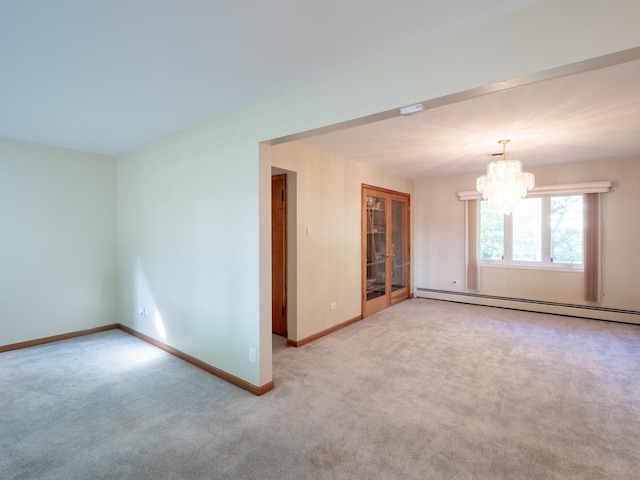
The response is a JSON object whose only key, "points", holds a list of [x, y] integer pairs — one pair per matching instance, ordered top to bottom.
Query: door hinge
{"points": [[283, 195], [282, 310]]}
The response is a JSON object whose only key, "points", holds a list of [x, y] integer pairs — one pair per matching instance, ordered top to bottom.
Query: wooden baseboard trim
{"points": [[315, 336], [56, 338], [227, 377], [267, 387]]}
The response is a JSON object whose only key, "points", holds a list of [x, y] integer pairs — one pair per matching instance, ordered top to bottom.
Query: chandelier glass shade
{"points": [[505, 183]]}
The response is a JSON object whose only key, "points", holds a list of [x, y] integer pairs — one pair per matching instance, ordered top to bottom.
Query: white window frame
{"points": [[603, 186], [546, 262]]}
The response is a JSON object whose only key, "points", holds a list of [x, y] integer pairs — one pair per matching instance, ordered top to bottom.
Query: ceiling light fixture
{"points": [[505, 183]]}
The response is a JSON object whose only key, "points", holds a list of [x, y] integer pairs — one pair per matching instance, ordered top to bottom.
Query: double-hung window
{"points": [[544, 232]]}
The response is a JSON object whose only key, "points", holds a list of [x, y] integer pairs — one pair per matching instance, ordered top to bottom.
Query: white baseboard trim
{"points": [[584, 311]]}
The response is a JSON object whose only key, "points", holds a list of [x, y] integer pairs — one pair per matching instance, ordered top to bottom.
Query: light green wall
{"points": [[193, 231], [440, 232], [57, 241], [187, 241]]}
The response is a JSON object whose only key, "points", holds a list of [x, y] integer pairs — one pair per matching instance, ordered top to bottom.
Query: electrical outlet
{"points": [[333, 306], [252, 355]]}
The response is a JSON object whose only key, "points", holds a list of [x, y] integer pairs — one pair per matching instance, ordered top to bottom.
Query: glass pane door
{"points": [[376, 246], [385, 249], [399, 250]]}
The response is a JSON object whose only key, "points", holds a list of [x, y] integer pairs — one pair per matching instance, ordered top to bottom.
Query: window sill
{"points": [[545, 268]]}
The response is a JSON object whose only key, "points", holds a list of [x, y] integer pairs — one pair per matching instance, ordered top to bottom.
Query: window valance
{"points": [[603, 186]]}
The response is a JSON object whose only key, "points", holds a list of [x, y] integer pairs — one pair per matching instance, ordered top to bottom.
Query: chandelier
{"points": [[505, 183]]}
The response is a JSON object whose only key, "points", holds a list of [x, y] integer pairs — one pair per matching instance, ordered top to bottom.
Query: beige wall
{"points": [[328, 200], [193, 216], [193, 230], [440, 230], [57, 241]]}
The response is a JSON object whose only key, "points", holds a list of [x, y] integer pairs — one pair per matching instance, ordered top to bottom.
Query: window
{"points": [[545, 231]]}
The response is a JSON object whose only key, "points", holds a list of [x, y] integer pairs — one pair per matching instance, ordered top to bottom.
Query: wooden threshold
{"points": [[315, 336], [56, 338]]}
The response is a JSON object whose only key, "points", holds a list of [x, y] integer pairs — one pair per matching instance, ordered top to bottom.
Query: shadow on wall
{"points": [[144, 296]]}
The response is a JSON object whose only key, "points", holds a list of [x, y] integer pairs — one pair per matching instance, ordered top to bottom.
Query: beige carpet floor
{"points": [[278, 343], [423, 390]]}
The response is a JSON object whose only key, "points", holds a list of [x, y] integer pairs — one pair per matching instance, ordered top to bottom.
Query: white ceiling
{"points": [[111, 76], [578, 118]]}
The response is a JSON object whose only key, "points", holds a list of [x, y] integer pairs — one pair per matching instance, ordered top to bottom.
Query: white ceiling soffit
{"points": [[112, 76], [587, 116]]}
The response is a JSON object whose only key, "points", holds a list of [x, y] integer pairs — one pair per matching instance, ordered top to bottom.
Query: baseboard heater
{"points": [[558, 308]]}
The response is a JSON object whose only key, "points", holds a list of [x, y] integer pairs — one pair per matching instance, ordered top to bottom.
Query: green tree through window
{"points": [[566, 229], [544, 231], [492, 233]]}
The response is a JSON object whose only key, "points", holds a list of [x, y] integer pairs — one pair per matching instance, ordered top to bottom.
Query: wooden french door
{"points": [[385, 248], [279, 255]]}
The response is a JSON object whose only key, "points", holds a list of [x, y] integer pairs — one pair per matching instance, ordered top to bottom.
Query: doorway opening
{"points": [[279, 255], [283, 257]]}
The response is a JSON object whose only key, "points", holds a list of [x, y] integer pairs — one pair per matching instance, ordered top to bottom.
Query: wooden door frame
{"points": [[390, 195]]}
